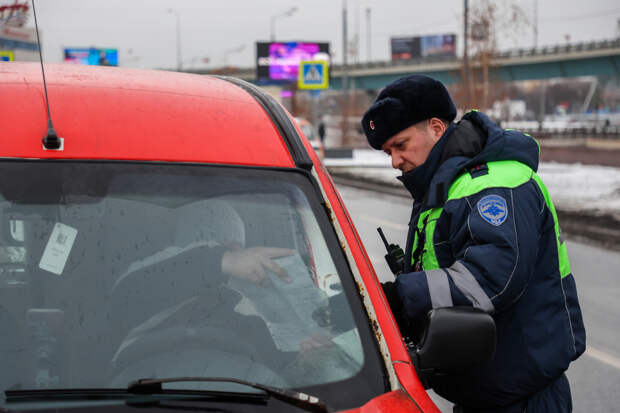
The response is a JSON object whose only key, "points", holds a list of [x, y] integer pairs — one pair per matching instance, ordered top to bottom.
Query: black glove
{"points": [[391, 293], [407, 329]]}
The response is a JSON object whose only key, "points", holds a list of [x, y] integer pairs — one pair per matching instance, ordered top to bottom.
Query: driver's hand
{"points": [[252, 264], [315, 342]]}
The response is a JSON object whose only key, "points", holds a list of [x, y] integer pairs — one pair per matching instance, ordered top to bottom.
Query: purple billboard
{"points": [[278, 62]]}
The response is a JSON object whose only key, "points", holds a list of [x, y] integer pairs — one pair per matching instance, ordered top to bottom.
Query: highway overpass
{"points": [[571, 60]]}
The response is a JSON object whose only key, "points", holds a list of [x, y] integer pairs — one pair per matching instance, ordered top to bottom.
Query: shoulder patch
{"points": [[493, 209]]}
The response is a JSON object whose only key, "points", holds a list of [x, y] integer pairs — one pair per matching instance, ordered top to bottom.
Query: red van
{"points": [[184, 248]]}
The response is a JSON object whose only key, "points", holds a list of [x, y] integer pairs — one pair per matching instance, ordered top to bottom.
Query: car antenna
{"points": [[51, 141]]}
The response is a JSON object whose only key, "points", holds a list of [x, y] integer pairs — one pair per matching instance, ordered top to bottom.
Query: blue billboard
{"points": [[92, 56]]}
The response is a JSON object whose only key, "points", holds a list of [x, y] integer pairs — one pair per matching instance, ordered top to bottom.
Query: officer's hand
{"points": [[252, 264], [391, 293], [411, 331]]}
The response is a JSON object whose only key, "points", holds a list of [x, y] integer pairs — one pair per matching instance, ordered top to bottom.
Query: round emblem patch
{"points": [[372, 125], [493, 209]]}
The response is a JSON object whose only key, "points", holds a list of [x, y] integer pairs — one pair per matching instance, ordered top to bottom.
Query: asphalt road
{"points": [[595, 376]]}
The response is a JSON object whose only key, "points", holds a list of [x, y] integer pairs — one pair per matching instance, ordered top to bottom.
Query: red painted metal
{"points": [[113, 113], [398, 353], [395, 401]]}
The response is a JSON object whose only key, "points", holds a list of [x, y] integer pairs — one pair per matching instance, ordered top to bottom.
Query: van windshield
{"points": [[111, 272]]}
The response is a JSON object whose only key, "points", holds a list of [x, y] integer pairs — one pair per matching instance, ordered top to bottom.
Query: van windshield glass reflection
{"points": [[151, 270]]}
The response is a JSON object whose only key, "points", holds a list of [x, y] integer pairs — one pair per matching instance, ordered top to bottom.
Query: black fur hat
{"points": [[403, 103]]}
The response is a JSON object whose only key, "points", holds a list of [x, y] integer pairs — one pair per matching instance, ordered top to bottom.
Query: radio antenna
{"points": [[51, 141]]}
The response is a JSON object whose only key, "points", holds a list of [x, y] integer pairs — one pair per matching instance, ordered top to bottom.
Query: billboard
{"points": [[423, 46], [92, 56], [278, 62]]}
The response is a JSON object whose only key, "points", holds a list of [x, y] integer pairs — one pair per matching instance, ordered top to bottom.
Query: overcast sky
{"points": [[225, 31]]}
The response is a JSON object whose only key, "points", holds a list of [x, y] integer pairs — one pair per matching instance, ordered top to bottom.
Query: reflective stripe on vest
{"points": [[502, 174]]}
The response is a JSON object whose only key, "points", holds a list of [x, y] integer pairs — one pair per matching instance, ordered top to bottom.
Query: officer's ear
{"points": [[437, 127]]}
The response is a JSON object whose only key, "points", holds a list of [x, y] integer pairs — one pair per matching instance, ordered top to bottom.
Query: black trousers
{"points": [[555, 398]]}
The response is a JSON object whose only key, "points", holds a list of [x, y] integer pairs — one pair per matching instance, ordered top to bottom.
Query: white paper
{"points": [[58, 248], [286, 307]]}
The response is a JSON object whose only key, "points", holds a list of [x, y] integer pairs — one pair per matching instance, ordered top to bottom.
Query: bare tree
{"points": [[489, 21]]}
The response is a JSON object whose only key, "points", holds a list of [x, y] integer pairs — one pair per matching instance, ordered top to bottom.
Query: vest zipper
{"points": [[419, 250]]}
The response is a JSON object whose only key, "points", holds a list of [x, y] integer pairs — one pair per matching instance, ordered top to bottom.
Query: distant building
{"points": [[20, 41], [17, 42], [508, 110]]}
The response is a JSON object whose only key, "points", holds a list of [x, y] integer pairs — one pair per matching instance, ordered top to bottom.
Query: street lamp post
{"points": [[287, 13], [368, 35], [228, 52], [179, 54], [465, 54], [345, 76]]}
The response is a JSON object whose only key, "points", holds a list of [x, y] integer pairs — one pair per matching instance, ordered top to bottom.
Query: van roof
{"points": [[129, 114]]}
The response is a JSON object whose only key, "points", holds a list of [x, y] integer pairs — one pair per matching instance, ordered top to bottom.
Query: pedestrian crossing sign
{"points": [[313, 74]]}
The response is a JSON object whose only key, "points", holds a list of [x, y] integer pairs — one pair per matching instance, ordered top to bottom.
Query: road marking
{"points": [[384, 223], [603, 357]]}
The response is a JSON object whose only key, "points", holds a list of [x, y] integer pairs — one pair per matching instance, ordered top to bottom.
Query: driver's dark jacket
{"points": [[509, 270]]}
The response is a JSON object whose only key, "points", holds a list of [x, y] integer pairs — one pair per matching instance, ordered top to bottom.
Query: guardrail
{"points": [[561, 49], [512, 53], [585, 128], [597, 133]]}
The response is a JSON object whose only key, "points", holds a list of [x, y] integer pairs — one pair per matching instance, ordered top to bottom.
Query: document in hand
{"points": [[286, 307]]}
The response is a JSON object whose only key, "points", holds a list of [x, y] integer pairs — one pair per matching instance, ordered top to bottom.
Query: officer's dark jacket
{"points": [[484, 233]]}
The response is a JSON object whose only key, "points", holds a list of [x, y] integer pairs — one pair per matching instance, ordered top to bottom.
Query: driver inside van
{"points": [[215, 224], [211, 232], [190, 298]]}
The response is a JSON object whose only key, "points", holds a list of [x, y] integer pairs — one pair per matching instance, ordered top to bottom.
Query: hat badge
{"points": [[372, 125]]}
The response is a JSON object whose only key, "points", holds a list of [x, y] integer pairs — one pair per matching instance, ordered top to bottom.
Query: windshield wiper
{"points": [[63, 394], [81, 394], [301, 400]]}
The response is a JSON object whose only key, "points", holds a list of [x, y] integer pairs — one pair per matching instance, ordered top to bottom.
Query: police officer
{"points": [[483, 233]]}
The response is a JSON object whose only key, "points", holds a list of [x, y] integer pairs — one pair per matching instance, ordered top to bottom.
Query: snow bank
{"points": [[573, 187]]}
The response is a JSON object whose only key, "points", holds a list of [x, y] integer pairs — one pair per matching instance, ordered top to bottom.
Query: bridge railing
{"points": [[560, 49], [512, 53], [250, 72], [597, 132]]}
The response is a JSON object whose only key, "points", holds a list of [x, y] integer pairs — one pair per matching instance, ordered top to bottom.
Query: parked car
{"points": [[310, 132], [182, 247]]}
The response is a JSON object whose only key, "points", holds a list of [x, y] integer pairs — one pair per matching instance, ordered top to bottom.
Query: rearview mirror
{"points": [[455, 339]]}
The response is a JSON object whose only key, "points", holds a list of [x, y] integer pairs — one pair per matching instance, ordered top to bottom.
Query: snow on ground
{"points": [[573, 187], [582, 187]]}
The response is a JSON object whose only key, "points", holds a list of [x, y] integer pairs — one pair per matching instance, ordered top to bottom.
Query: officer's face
{"points": [[410, 147]]}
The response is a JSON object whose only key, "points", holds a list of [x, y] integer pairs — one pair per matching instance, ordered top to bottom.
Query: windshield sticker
{"points": [[58, 249]]}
